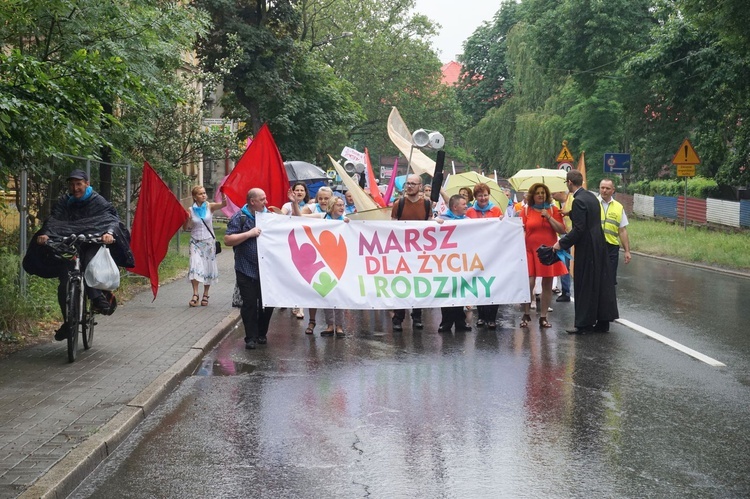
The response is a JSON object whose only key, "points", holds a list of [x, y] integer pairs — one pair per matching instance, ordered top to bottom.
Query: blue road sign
{"points": [[616, 162]]}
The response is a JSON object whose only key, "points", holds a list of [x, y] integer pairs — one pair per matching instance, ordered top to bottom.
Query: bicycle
{"points": [[80, 312]]}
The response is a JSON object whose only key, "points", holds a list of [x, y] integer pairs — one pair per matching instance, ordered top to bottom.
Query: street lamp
{"points": [[330, 39]]}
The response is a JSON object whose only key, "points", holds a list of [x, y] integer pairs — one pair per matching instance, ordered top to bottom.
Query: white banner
{"points": [[353, 155], [363, 264]]}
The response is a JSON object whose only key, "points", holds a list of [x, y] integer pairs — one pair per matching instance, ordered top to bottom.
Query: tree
{"points": [[389, 62], [75, 76], [485, 82]]}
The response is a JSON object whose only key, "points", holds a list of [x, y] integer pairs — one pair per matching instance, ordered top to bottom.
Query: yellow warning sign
{"points": [[565, 155], [686, 155], [686, 170]]}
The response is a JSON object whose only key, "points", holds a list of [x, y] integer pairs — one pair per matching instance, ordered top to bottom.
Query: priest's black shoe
{"points": [[462, 327], [601, 327], [444, 328], [580, 330], [262, 340], [250, 345]]}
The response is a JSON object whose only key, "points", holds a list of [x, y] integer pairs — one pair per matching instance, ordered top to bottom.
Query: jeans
{"points": [[565, 280]]}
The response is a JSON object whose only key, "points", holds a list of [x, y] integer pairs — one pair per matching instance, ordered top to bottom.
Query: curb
{"points": [[63, 478]]}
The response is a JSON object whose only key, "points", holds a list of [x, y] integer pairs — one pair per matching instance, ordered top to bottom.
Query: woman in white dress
{"points": [[203, 267]]}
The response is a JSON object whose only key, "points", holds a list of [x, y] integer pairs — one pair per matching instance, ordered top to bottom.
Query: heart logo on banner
{"points": [[331, 249], [304, 258], [325, 285]]}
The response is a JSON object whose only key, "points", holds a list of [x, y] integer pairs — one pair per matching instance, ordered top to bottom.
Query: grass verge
{"points": [[714, 248]]}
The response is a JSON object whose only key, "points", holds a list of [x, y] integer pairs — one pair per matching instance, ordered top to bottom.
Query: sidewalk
{"points": [[59, 420]]}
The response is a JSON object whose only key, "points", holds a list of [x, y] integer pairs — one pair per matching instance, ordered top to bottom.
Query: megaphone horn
{"points": [[420, 137], [436, 140], [350, 168]]}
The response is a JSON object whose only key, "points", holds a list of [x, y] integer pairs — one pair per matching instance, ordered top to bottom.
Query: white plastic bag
{"points": [[102, 272]]}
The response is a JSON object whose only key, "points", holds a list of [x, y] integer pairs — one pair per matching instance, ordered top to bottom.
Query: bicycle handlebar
{"points": [[68, 245]]}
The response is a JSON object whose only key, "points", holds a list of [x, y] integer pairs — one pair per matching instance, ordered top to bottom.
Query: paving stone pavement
{"points": [[58, 420]]}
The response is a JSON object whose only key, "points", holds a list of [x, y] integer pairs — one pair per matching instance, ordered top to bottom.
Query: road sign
{"points": [[686, 155], [565, 156], [616, 162], [565, 166], [686, 170]]}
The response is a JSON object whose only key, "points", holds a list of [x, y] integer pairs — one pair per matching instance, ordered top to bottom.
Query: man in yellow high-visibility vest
{"points": [[614, 225]]}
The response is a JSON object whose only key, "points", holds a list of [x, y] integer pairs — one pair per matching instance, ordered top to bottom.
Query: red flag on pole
{"points": [[260, 166], [374, 191], [158, 216]]}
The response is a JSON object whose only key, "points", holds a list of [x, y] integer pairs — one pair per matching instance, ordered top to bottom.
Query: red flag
{"points": [[260, 166], [374, 191], [158, 216]]}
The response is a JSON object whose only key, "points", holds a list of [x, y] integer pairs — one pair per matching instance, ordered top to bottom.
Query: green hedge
{"points": [[697, 187]]}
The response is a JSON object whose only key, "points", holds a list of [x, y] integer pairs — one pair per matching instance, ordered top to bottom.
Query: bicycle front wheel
{"points": [[73, 318], [87, 327]]}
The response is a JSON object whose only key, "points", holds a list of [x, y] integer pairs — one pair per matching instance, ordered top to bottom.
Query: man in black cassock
{"points": [[594, 286]]}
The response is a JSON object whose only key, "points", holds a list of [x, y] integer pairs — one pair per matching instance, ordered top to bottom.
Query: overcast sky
{"points": [[459, 19]]}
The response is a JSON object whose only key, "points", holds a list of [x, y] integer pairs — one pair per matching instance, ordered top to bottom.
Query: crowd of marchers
{"points": [[595, 226]]}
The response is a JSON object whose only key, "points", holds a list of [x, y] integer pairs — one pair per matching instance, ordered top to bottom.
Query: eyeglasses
{"points": [[411, 184]]}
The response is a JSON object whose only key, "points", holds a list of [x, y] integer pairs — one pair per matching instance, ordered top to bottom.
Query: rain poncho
{"points": [[91, 215]]}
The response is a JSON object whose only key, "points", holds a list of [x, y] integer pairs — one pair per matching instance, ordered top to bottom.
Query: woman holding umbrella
{"points": [[484, 208], [542, 222]]}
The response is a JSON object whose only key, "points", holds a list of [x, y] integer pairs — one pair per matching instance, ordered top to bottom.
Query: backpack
{"points": [[427, 209]]}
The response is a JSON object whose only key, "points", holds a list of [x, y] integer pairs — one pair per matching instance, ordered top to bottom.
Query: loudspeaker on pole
{"points": [[437, 177]]}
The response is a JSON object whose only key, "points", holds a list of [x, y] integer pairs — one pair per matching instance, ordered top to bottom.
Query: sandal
{"points": [[194, 301], [204, 301], [525, 320], [543, 323], [491, 324], [310, 327], [327, 332], [340, 333]]}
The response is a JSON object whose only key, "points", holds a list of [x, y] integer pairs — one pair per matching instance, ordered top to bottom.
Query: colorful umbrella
{"points": [[470, 179], [553, 179]]}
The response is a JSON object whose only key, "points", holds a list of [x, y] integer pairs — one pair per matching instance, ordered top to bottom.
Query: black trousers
{"points": [[613, 251], [87, 252], [488, 313], [399, 315], [451, 316], [255, 317]]}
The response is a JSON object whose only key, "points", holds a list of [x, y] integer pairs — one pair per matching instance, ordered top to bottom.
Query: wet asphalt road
{"points": [[507, 413]]}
